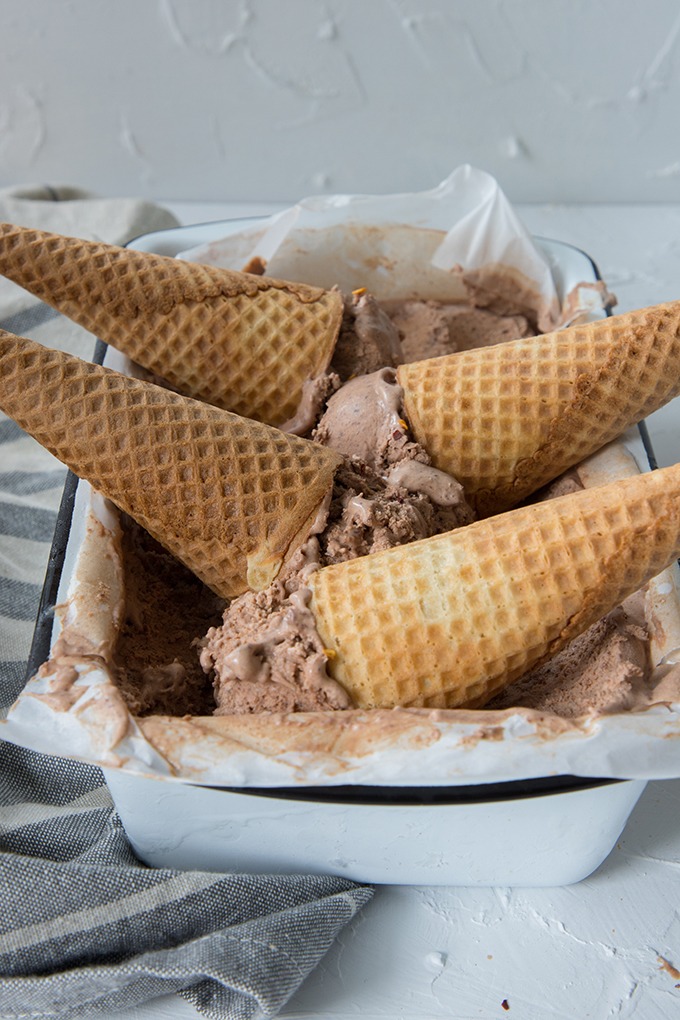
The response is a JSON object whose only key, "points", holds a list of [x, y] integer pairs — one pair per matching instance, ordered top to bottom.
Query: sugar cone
{"points": [[241, 342], [505, 420], [231, 498], [451, 620]]}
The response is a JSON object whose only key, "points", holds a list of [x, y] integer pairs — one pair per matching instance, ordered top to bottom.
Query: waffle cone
{"points": [[241, 342], [505, 420], [229, 497], [451, 620]]}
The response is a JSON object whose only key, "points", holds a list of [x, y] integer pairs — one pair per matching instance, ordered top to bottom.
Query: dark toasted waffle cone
{"points": [[241, 342], [229, 497]]}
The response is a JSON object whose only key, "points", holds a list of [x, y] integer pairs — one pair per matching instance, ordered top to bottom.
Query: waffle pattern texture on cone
{"points": [[241, 342], [505, 420], [229, 497], [451, 620]]}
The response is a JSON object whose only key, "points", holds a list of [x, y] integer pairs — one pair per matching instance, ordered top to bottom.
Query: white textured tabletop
{"points": [[606, 948]]}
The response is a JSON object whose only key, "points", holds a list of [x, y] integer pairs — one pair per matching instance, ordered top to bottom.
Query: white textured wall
{"points": [[563, 100]]}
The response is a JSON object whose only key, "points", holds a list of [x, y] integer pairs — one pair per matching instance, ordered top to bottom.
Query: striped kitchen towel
{"points": [[84, 926]]}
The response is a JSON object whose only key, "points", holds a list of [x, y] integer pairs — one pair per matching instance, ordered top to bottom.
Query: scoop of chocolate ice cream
{"points": [[367, 341], [365, 421], [267, 656]]}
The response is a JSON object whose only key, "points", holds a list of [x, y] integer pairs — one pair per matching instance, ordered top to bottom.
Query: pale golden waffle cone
{"points": [[241, 342], [504, 420], [229, 497], [451, 620]]}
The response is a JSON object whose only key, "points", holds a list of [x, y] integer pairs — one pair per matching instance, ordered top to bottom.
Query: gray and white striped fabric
{"points": [[84, 926]]}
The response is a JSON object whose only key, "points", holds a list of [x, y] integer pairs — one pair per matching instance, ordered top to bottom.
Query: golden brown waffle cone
{"points": [[242, 342], [505, 420], [231, 498], [450, 620]]}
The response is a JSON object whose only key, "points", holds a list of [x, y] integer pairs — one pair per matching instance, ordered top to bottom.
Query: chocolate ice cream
{"points": [[429, 329], [378, 334], [368, 339], [366, 343], [364, 420], [166, 609], [265, 654], [268, 657], [604, 670]]}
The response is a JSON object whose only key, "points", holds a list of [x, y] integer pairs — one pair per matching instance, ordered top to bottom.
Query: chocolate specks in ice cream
{"points": [[183, 651]]}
